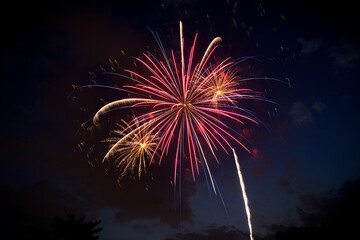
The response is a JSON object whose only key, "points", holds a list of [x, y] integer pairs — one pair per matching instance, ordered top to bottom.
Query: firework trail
{"points": [[179, 103], [246, 201]]}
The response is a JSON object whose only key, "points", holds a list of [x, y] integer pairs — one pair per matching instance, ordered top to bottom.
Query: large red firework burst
{"points": [[186, 103]]}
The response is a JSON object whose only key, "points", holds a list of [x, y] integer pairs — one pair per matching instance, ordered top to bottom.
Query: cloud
{"points": [[309, 46], [345, 56], [318, 107], [300, 114], [262, 163], [291, 165], [284, 185], [152, 197], [157, 200], [274, 228]]}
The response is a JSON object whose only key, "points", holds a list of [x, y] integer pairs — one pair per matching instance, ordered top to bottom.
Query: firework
{"points": [[224, 87], [179, 102], [131, 148], [246, 201]]}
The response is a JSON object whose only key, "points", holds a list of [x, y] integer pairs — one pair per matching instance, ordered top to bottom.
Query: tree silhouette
{"points": [[336, 217], [76, 229]]}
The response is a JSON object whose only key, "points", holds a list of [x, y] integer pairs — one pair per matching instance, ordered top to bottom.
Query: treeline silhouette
{"points": [[336, 217], [69, 228], [76, 229]]}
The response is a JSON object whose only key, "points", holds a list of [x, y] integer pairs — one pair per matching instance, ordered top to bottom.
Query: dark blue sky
{"points": [[307, 150]]}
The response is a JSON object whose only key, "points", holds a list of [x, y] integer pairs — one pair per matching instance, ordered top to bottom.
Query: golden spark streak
{"points": [[246, 201]]}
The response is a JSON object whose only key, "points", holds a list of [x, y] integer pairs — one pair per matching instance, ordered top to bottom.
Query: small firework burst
{"points": [[131, 148]]}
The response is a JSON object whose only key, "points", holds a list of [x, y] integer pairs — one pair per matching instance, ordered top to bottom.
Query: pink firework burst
{"points": [[179, 95]]}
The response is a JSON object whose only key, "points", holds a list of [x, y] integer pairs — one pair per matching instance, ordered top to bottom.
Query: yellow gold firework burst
{"points": [[224, 87], [132, 147]]}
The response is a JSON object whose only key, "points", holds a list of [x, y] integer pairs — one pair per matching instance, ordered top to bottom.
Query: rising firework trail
{"points": [[246, 201]]}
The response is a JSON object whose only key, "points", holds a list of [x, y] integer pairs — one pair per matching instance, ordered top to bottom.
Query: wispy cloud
{"points": [[309, 46], [344, 56], [318, 107], [300, 114]]}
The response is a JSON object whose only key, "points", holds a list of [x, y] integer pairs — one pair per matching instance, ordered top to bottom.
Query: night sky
{"points": [[302, 176]]}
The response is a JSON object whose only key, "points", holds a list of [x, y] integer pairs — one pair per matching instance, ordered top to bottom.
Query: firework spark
{"points": [[179, 99], [246, 201]]}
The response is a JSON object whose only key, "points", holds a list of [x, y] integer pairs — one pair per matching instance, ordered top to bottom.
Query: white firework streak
{"points": [[246, 201]]}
